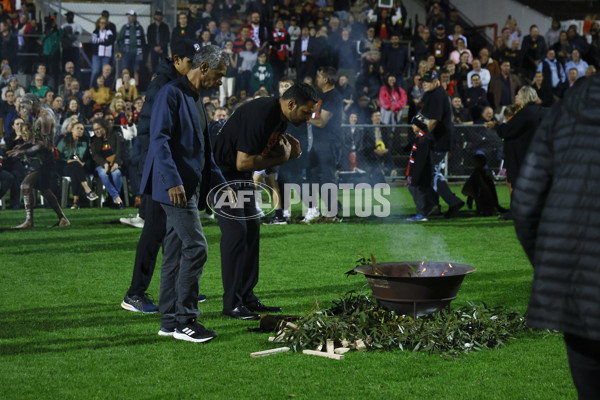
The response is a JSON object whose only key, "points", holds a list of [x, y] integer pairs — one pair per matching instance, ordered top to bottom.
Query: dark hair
{"points": [[532, 26], [329, 73], [389, 88], [302, 93], [104, 124], [68, 138]]}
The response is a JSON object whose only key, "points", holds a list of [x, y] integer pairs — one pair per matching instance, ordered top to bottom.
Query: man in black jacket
{"points": [[158, 39], [437, 110], [150, 211], [557, 215]]}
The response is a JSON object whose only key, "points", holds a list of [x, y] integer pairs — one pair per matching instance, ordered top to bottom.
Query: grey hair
{"points": [[212, 55], [528, 95], [31, 98]]}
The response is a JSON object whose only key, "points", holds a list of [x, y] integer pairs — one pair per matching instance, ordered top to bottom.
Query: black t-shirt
{"points": [[436, 105], [253, 129], [332, 132]]}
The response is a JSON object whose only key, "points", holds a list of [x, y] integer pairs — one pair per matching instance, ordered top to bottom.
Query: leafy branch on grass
{"points": [[357, 317]]}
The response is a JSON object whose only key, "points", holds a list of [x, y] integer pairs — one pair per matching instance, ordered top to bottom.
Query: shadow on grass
{"points": [[15, 324], [70, 344]]}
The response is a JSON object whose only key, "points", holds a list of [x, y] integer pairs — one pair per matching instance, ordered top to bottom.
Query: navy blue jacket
{"points": [[178, 147]]}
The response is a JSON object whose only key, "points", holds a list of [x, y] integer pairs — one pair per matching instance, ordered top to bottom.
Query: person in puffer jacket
{"points": [[557, 219]]}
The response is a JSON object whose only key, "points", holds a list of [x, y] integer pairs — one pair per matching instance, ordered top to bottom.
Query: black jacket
{"points": [[164, 36], [165, 73], [517, 133], [557, 215]]}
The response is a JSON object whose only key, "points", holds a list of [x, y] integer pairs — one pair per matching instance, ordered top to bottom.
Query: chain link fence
{"points": [[468, 140]]}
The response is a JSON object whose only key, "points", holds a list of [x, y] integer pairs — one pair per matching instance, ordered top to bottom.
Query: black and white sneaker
{"points": [[275, 221], [166, 332], [194, 332]]}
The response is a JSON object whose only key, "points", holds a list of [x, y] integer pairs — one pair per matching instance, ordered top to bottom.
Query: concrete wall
{"points": [[482, 12]]}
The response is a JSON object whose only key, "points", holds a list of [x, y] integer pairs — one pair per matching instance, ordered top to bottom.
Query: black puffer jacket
{"points": [[556, 206]]}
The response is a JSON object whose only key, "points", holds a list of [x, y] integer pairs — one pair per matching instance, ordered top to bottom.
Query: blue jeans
{"points": [[97, 63], [113, 184]]}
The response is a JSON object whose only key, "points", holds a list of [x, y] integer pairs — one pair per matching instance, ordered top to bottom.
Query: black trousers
{"points": [[323, 159], [78, 174], [6, 181], [153, 233], [240, 237], [584, 362]]}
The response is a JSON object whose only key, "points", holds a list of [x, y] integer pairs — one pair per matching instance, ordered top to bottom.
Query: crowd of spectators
{"points": [[380, 55]]}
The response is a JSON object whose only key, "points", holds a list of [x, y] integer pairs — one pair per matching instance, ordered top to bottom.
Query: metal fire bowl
{"points": [[415, 287]]}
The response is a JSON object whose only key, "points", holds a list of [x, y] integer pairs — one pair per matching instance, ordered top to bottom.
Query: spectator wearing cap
{"points": [[103, 39], [158, 39], [70, 40], [131, 40], [441, 46], [437, 110]]}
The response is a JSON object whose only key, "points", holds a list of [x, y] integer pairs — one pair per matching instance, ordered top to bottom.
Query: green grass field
{"points": [[63, 334]]}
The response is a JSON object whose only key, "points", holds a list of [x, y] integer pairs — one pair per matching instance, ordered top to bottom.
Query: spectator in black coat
{"points": [[184, 34], [158, 39], [422, 43], [9, 46], [441, 46], [533, 50], [347, 57], [394, 59], [476, 97], [517, 132], [557, 214]]}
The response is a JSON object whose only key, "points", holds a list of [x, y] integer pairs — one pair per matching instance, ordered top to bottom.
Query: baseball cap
{"points": [[131, 12], [440, 27], [187, 49], [430, 76]]}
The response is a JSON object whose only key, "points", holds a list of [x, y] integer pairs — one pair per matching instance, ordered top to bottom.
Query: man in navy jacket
{"points": [[178, 171]]}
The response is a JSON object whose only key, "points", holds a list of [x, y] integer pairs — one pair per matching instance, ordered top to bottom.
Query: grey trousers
{"points": [[184, 255]]}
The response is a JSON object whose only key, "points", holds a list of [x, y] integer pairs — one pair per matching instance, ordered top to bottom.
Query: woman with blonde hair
{"points": [[103, 39], [126, 86], [517, 132]]}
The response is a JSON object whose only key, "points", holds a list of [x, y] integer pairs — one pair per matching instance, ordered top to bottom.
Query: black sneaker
{"points": [[454, 209], [275, 221], [201, 298], [194, 332]]}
